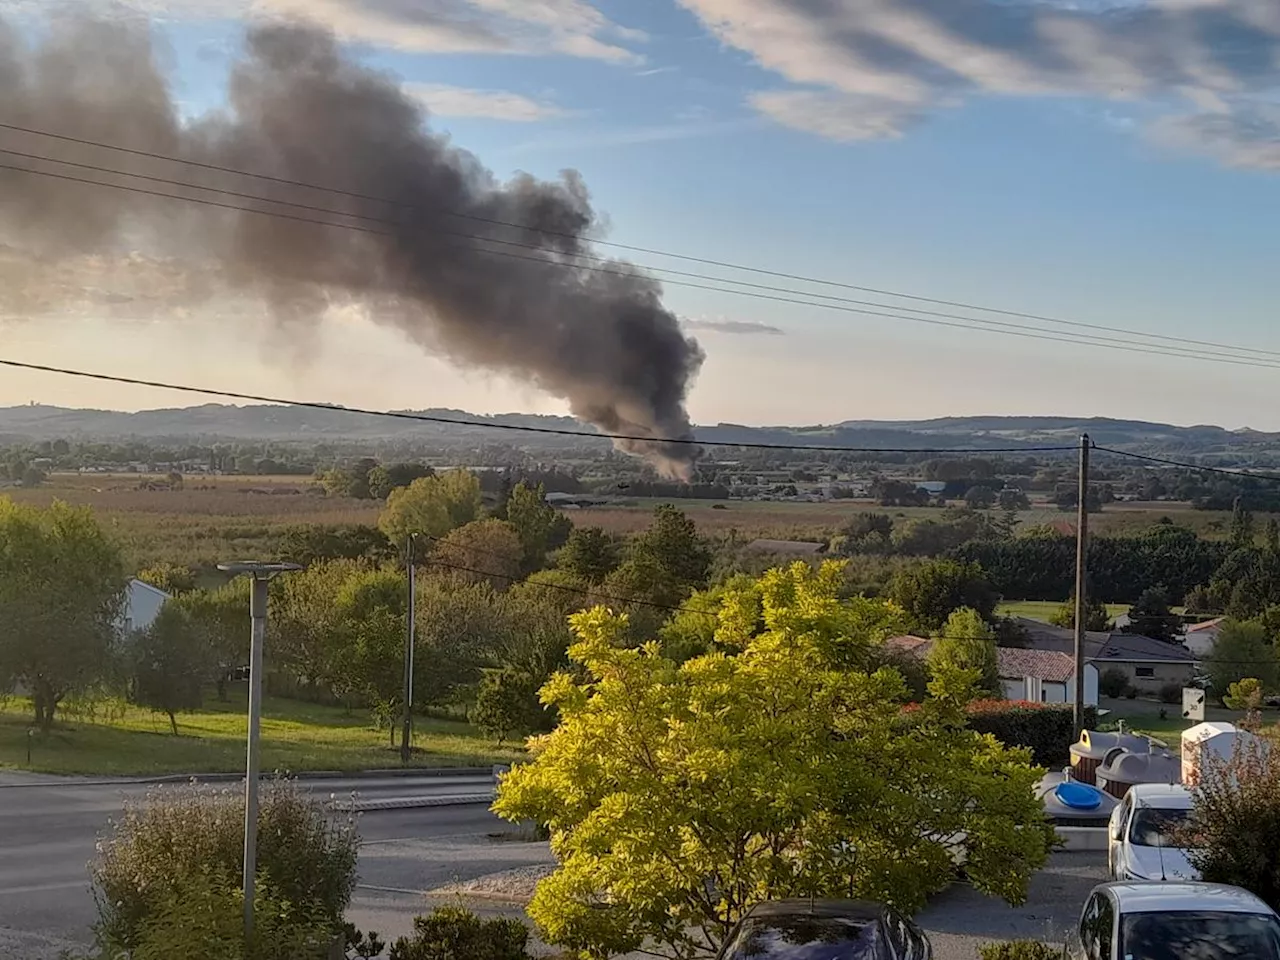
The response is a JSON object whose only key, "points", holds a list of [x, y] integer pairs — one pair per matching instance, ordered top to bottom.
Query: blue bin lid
{"points": [[1078, 796]]}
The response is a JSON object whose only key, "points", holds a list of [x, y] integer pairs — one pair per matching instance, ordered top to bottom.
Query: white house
{"points": [[142, 606], [1201, 638], [1044, 676]]}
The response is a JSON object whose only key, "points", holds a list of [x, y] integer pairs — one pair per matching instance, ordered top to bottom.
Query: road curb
{"points": [[302, 775], [411, 803]]}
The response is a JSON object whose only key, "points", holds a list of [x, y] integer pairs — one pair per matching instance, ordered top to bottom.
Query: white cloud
{"points": [[531, 27], [868, 68], [448, 101], [1248, 137], [725, 325]]}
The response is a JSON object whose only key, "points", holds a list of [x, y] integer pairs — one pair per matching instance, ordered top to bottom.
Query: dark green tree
{"points": [[383, 479], [540, 526], [1242, 526], [672, 545], [589, 554], [931, 591], [1151, 617], [1243, 650], [170, 663]]}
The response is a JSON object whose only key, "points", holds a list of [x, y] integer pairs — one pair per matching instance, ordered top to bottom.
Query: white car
{"points": [[1141, 844], [1174, 921]]}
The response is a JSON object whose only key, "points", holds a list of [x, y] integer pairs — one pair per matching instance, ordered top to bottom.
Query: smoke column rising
{"points": [[297, 109]]}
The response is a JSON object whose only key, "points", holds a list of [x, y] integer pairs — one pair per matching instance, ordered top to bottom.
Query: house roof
{"points": [[798, 547], [142, 585], [1207, 625], [910, 645], [1104, 646], [1046, 664]]}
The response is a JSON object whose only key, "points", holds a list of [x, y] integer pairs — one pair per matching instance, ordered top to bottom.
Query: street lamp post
{"points": [[262, 574], [406, 734]]}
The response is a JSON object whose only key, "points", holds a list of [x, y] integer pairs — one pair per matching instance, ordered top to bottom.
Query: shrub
{"points": [[1113, 682], [1131, 692], [1171, 693], [1047, 729], [178, 835], [204, 920], [452, 933], [1018, 950]]}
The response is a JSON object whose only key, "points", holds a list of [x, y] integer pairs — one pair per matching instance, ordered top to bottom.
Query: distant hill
{"points": [[210, 422]]}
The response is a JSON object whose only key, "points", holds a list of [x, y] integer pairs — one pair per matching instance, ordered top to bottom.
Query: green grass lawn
{"points": [[1044, 609], [1143, 716], [295, 737]]}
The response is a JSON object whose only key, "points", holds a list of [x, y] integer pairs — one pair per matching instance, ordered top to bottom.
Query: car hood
{"points": [[1147, 861]]}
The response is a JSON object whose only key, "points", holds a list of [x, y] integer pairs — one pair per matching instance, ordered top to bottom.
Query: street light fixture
{"points": [[262, 574]]}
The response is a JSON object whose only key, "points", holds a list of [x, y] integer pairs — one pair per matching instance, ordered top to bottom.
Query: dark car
{"points": [[825, 930]]}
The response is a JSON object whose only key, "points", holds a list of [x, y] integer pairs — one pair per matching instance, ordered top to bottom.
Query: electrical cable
{"points": [[629, 247], [970, 324], [555, 431], [1238, 474]]}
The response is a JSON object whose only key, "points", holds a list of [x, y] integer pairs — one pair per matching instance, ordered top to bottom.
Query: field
{"points": [[210, 519], [1044, 609], [295, 737]]}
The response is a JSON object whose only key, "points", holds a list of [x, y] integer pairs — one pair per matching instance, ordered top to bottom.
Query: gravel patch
{"points": [[516, 885]]}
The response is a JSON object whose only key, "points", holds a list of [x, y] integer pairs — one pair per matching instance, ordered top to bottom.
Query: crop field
{"points": [[209, 520]]}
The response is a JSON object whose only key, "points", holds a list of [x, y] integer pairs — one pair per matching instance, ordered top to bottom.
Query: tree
{"points": [[384, 479], [352, 481], [980, 498], [1011, 498], [431, 506], [540, 526], [1242, 531], [1271, 535], [307, 543], [672, 545], [487, 550], [589, 553], [169, 577], [930, 591], [61, 599], [370, 608], [1096, 617], [1151, 617], [221, 618], [461, 627], [967, 642], [1242, 650], [170, 662], [1245, 694], [507, 704], [683, 794]]}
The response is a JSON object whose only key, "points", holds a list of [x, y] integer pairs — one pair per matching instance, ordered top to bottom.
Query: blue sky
{"points": [[1108, 162]]}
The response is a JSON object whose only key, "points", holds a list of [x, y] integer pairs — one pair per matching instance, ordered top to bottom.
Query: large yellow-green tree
{"points": [[431, 506], [62, 586], [679, 795]]}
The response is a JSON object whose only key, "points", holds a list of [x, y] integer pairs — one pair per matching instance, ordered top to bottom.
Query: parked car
{"points": [[1142, 842], [1150, 920], [825, 930]]}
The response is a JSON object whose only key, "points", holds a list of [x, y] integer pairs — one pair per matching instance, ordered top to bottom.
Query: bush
{"points": [[1113, 682], [1131, 692], [1171, 693], [1047, 729], [178, 837], [204, 920], [452, 933], [1018, 950]]}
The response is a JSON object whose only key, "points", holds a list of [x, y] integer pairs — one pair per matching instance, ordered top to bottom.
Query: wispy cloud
{"points": [[573, 28], [872, 68], [654, 71], [448, 101], [628, 136], [1247, 137], [724, 325]]}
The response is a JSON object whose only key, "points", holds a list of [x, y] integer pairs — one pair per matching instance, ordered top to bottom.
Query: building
{"points": [[791, 548], [142, 606], [1201, 638], [910, 646], [1147, 664], [1044, 676]]}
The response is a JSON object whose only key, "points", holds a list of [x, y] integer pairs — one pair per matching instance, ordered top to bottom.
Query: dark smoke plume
{"points": [[300, 111]]}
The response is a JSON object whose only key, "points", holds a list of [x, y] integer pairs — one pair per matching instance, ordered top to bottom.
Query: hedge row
{"points": [[1047, 728]]}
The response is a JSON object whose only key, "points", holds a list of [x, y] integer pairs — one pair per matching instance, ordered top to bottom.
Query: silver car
{"points": [[1142, 842], [1174, 921], [825, 930]]}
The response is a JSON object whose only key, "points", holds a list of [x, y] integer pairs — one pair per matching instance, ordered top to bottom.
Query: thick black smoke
{"points": [[298, 110]]}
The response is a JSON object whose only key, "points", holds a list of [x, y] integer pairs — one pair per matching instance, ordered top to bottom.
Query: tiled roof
{"points": [[1207, 625], [910, 645], [1104, 646], [1046, 664]]}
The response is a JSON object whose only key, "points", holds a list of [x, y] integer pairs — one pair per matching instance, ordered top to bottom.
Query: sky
{"points": [[1109, 162]]}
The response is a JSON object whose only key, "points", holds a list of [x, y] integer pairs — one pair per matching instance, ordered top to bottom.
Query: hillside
{"points": [[225, 422]]}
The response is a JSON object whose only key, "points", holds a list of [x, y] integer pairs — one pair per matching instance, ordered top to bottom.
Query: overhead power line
{"points": [[801, 299], [1157, 338], [520, 428], [1238, 474]]}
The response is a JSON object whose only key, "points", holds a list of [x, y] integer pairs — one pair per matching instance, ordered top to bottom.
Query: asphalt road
{"points": [[48, 833]]}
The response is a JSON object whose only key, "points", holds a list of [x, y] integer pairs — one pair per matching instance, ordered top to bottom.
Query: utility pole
{"points": [[1082, 546], [262, 574], [406, 733]]}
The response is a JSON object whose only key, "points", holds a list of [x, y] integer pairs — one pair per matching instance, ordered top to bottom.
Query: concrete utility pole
{"points": [[1082, 546], [262, 574], [406, 733]]}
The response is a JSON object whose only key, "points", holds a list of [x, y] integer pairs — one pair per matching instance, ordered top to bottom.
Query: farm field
{"points": [[1044, 609], [295, 736]]}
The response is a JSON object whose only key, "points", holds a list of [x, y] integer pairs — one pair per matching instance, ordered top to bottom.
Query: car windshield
{"points": [[1153, 827], [1200, 935], [809, 938]]}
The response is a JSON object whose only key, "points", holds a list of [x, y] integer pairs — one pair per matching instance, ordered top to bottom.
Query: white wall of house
{"points": [[142, 605], [1202, 642], [1048, 691]]}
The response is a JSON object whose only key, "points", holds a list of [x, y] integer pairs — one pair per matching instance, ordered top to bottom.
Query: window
{"points": [[1145, 671], [1104, 924]]}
